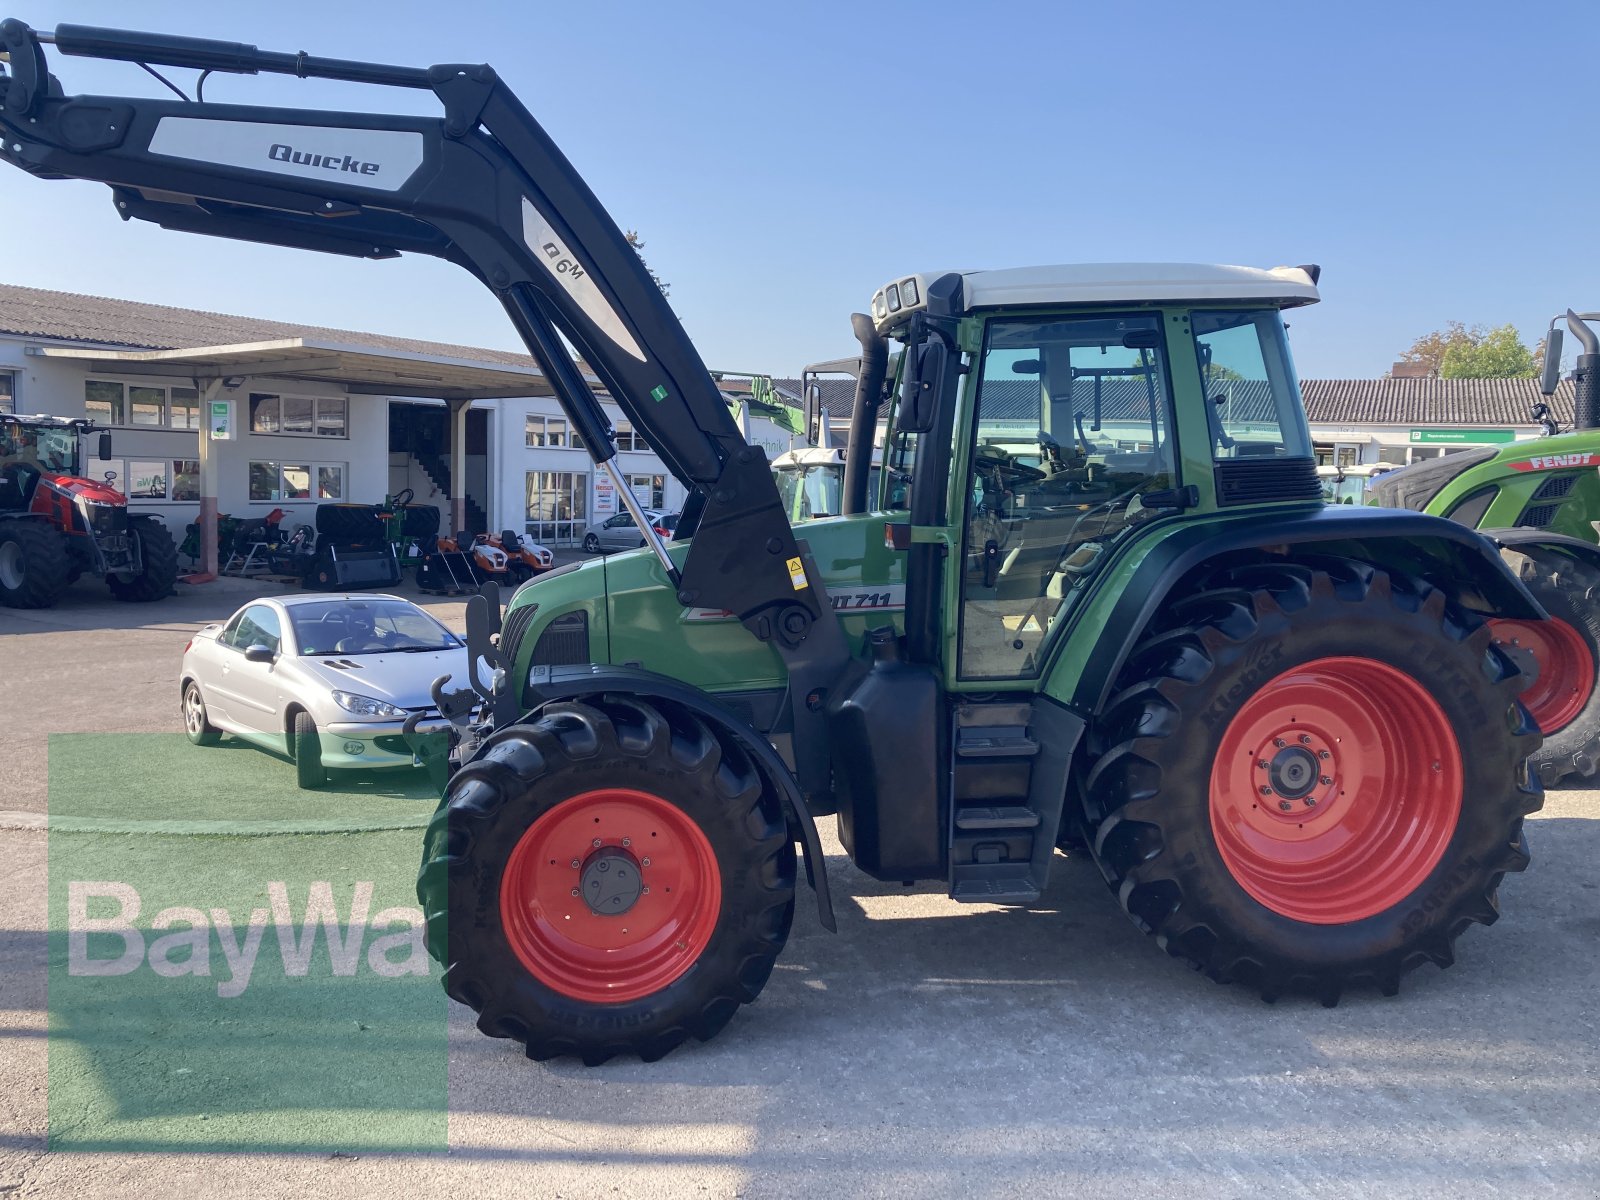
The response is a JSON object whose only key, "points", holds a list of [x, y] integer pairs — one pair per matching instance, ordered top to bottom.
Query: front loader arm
{"points": [[482, 186]]}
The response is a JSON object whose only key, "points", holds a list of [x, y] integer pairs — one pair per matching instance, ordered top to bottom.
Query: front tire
{"points": [[591, 543], [159, 554], [33, 564], [1564, 698], [196, 722], [309, 772], [1312, 778], [612, 877]]}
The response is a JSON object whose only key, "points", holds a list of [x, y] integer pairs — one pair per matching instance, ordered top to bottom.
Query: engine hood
{"points": [[95, 490], [404, 680]]}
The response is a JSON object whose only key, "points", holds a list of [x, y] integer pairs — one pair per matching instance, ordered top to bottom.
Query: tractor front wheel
{"points": [[159, 554], [33, 564], [1564, 698], [1365, 788], [612, 877]]}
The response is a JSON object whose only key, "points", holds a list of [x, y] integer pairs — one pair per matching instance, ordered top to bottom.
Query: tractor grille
{"points": [[1263, 480], [1547, 501], [104, 519], [512, 630], [564, 643]]}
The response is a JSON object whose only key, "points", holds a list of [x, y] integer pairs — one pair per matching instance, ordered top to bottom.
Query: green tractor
{"points": [[1539, 502], [1095, 601]]}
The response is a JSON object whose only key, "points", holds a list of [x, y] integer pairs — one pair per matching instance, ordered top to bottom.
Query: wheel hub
{"points": [[1293, 772], [610, 882]]}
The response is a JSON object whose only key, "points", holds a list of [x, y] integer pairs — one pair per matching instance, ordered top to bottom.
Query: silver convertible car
{"points": [[327, 680]]}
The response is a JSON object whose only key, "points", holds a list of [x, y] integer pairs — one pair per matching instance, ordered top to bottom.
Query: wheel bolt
{"points": [[1305, 739], [1279, 743], [1324, 755], [1261, 764], [1325, 780], [1266, 791], [1311, 801], [1285, 805], [627, 841], [596, 843], [644, 862], [576, 864], [574, 891], [644, 891]]}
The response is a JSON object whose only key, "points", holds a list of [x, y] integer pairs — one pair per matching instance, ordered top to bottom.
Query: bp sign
{"points": [[1462, 437]]}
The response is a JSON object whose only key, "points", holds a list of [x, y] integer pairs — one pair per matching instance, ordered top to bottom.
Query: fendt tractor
{"points": [[1539, 501], [57, 524], [1281, 730]]}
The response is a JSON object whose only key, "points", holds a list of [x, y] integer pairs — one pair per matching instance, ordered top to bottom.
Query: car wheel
{"points": [[592, 544], [195, 721], [310, 774]]}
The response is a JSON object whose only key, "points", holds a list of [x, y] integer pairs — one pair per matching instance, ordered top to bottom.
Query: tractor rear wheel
{"points": [[159, 553], [33, 564], [1564, 699], [1366, 785], [613, 877]]}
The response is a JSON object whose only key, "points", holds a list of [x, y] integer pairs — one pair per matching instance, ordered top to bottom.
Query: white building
{"points": [[294, 416]]}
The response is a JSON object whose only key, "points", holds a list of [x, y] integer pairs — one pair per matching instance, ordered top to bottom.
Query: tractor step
{"points": [[995, 742], [1007, 816], [993, 883]]}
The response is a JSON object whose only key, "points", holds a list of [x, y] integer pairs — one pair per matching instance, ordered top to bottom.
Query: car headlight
{"points": [[366, 706]]}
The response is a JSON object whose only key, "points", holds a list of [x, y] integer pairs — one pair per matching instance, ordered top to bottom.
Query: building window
{"points": [[8, 392], [103, 402], [147, 406], [184, 408], [299, 416], [549, 433], [630, 440], [1392, 454], [186, 479], [147, 480], [272, 482], [649, 490], [558, 505]]}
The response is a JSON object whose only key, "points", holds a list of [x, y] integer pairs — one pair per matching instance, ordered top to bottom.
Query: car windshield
{"points": [[366, 627]]}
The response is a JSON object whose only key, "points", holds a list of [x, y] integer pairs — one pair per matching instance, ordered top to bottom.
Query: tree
{"points": [[637, 243], [1459, 352]]}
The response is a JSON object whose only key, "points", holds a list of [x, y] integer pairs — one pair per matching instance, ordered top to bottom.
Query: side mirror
{"points": [[1551, 375], [920, 388], [105, 447], [258, 653]]}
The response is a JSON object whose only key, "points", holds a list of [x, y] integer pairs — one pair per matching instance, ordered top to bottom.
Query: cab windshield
{"points": [[50, 448], [344, 627]]}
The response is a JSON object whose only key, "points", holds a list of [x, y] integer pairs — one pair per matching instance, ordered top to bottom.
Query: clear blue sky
{"points": [[783, 161]]}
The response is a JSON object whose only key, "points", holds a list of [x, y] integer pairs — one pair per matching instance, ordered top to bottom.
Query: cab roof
{"points": [[1103, 283]]}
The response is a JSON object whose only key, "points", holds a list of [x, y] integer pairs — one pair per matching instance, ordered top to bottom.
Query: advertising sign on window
{"points": [[605, 496]]}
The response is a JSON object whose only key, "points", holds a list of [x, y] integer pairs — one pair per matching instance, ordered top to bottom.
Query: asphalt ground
{"points": [[927, 1049]]}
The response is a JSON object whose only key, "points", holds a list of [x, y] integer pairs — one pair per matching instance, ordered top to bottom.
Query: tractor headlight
{"points": [[366, 706]]}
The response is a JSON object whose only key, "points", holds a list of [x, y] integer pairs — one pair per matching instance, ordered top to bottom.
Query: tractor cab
{"points": [[39, 448]]}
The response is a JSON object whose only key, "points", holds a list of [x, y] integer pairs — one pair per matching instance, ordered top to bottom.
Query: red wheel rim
{"points": [[1566, 668], [1335, 790], [673, 894]]}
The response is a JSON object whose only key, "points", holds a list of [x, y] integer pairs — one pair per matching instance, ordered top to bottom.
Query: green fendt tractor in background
{"points": [[1539, 501], [1095, 600]]}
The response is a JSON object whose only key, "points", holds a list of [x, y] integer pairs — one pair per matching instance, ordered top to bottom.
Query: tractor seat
{"points": [[509, 541]]}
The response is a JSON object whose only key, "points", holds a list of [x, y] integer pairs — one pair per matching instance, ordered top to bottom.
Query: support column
{"points": [[209, 389], [458, 464]]}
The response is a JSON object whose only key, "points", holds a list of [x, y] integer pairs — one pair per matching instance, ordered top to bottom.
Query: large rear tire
{"points": [[159, 554], [33, 564], [1564, 699], [1366, 785], [611, 878]]}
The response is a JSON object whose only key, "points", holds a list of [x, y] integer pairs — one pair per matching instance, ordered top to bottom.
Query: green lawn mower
{"points": [[1539, 501]]}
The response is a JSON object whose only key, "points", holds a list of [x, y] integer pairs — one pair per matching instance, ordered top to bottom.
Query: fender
{"points": [[1531, 539], [1461, 562], [550, 684]]}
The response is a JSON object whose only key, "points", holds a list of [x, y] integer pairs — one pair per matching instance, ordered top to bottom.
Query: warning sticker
{"points": [[797, 574]]}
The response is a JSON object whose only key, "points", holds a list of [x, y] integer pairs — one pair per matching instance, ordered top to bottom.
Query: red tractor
{"points": [[57, 524]]}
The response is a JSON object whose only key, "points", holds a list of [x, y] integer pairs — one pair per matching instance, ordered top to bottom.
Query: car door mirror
{"points": [[258, 653]]}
